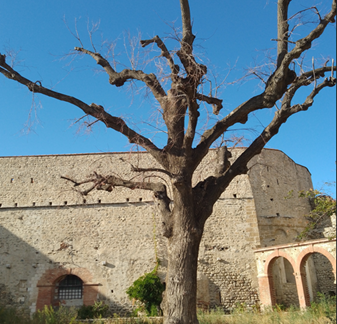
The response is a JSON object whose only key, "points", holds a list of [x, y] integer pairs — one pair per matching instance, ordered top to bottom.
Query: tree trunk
{"points": [[181, 280]]}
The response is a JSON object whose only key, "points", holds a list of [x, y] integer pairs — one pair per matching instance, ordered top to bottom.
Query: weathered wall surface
{"points": [[272, 177], [46, 227], [69, 237], [226, 253], [313, 264], [284, 283], [326, 283]]}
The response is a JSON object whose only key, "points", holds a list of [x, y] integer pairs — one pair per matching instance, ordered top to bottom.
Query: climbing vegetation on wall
{"points": [[323, 206]]}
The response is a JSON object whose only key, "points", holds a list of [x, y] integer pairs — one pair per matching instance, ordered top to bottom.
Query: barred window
{"points": [[71, 287]]}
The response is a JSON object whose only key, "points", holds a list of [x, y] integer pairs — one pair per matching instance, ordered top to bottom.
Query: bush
{"points": [[148, 289]]}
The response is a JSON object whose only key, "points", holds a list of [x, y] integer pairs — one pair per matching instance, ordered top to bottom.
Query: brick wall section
{"points": [[47, 283]]}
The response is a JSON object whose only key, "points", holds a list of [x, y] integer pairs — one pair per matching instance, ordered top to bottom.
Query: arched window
{"points": [[71, 287]]}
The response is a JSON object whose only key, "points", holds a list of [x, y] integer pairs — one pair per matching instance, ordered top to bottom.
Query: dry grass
{"points": [[323, 312], [266, 318]]}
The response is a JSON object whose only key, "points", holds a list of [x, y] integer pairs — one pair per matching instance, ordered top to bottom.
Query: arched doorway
{"points": [[281, 274], [320, 278]]}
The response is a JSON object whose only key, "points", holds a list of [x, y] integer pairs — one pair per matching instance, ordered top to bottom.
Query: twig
{"points": [[332, 68], [314, 72]]}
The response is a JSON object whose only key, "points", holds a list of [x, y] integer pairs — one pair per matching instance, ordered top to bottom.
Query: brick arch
{"points": [[275, 255], [303, 256], [301, 259], [51, 276], [266, 284], [46, 286]]}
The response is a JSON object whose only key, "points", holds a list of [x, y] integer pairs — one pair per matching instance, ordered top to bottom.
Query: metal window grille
{"points": [[71, 287]]}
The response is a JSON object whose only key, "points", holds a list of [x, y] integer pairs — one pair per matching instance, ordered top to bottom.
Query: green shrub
{"points": [[148, 289]]}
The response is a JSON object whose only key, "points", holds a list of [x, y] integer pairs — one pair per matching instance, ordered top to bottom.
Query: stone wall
{"points": [[280, 219], [48, 230], [72, 237], [226, 254], [324, 273]]}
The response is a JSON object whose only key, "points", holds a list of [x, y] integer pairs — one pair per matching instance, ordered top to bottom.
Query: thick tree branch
{"points": [[283, 30], [188, 36], [164, 52], [194, 70], [320, 72], [283, 76], [119, 78], [305, 79], [277, 83], [276, 87], [215, 102], [96, 111], [174, 112], [193, 112], [238, 115], [281, 116], [223, 156], [145, 170], [108, 183], [217, 185]]}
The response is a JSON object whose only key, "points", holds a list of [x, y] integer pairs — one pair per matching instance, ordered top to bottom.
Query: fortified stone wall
{"points": [[272, 177], [48, 230], [41, 239], [226, 253]]}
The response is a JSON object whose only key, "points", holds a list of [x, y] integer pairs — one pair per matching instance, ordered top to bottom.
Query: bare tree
{"points": [[183, 220]]}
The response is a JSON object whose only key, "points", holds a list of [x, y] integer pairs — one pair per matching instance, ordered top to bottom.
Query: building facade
{"points": [[59, 247]]}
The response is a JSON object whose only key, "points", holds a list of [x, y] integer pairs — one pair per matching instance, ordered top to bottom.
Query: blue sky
{"points": [[233, 35]]}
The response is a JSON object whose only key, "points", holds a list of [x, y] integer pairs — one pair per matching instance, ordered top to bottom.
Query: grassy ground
{"points": [[323, 312], [271, 317]]}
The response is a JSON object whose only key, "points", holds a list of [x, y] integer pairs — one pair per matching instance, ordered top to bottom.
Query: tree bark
{"points": [[282, 29], [180, 301]]}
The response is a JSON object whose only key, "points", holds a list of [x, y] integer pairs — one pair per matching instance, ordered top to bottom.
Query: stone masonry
{"points": [[49, 231]]}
